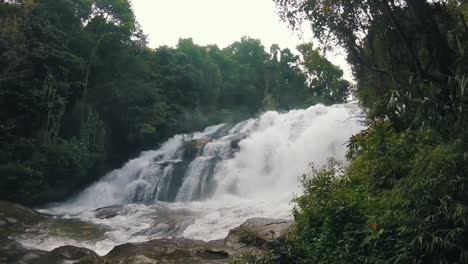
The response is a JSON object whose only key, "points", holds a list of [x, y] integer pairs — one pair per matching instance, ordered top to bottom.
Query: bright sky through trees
{"points": [[220, 22]]}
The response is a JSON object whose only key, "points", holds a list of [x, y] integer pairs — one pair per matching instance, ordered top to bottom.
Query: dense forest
{"points": [[81, 93], [404, 196]]}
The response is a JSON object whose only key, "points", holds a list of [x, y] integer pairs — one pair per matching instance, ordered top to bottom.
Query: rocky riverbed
{"points": [[255, 237]]}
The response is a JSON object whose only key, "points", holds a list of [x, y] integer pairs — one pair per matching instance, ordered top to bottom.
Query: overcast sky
{"points": [[220, 22]]}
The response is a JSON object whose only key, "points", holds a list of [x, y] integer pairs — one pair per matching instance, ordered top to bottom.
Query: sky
{"points": [[220, 22]]}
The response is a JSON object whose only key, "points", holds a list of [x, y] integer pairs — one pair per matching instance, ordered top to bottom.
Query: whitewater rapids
{"points": [[201, 185]]}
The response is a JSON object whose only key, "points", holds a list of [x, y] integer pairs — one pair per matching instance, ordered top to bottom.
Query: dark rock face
{"points": [[194, 148], [176, 181], [107, 212], [14, 216], [14, 219], [17, 220], [72, 229], [174, 251], [11, 252], [69, 254]]}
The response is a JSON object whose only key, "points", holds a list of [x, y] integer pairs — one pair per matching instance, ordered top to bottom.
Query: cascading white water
{"points": [[223, 176]]}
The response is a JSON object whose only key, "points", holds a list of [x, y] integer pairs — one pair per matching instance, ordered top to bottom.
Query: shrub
{"points": [[402, 199]]}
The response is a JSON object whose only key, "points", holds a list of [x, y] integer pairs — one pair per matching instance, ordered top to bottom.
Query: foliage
{"points": [[408, 56], [326, 79], [404, 196], [398, 209], [330, 220]]}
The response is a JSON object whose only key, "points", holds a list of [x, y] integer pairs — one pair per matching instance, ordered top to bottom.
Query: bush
{"points": [[49, 172], [18, 181], [402, 199], [331, 217]]}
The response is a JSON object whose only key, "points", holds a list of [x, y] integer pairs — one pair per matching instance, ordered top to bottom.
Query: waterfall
{"points": [[256, 159], [203, 184]]}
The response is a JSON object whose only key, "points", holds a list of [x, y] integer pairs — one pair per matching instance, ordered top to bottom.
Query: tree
{"points": [[409, 49], [326, 80]]}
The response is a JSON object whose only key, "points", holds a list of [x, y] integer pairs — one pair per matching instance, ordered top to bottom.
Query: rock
{"points": [[222, 131], [235, 140], [193, 148], [108, 212], [18, 214], [16, 219], [11, 220], [19, 222], [169, 223], [71, 229], [255, 234], [251, 238], [174, 251], [11, 252], [69, 254], [139, 259]]}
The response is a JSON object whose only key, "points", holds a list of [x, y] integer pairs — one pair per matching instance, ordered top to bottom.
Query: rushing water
{"points": [[201, 185]]}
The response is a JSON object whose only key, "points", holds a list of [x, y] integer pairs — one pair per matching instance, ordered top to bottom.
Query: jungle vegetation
{"points": [[403, 197]]}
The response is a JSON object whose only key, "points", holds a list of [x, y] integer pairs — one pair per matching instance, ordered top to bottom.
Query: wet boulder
{"points": [[235, 140], [194, 148], [108, 211], [16, 217], [169, 223], [75, 229], [257, 234], [173, 251], [12, 252], [69, 254]]}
